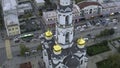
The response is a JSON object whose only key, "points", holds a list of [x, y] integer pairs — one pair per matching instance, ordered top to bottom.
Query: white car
{"points": [[115, 28], [82, 29], [86, 39]]}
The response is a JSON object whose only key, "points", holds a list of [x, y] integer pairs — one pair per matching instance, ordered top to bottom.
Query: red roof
{"points": [[85, 4], [26, 65]]}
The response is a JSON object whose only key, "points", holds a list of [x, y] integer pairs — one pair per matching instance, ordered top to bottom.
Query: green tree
{"points": [[40, 12], [106, 32], [39, 47], [23, 49], [118, 49]]}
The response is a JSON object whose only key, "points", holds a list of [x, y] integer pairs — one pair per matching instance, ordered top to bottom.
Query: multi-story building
{"points": [[22, 8], [110, 8], [90, 9], [86, 10], [11, 17], [61, 51]]}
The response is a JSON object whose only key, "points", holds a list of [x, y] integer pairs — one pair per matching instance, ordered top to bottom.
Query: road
{"points": [[36, 13]]}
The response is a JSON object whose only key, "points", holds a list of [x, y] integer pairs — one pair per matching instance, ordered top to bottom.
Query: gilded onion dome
{"points": [[48, 35], [81, 42], [57, 49]]}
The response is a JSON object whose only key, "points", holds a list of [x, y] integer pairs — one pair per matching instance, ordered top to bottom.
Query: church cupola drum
{"points": [[64, 27]]}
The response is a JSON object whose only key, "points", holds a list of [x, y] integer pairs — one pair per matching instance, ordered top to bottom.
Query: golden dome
{"points": [[48, 33], [81, 41], [57, 48]]}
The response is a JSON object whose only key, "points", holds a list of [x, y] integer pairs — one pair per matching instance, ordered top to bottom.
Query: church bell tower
{"points": [[64, 27]]}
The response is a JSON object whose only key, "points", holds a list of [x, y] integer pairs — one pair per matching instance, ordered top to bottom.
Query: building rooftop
{"points": [[39, 1], [9, 4], [85, 4], [22, 5], [110, 5], [11, 19], [26, 65]]}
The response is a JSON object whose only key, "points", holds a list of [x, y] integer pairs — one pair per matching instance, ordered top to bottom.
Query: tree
{"points": [[40, 12], [106, 32], [39, 47], [23, 49], [118, 49], [115, 60]]}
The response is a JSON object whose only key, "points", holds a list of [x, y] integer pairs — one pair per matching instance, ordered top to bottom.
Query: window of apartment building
{"points": [[90, 11], [12, 28], [16, 28], [9, 29], [10, 33]]}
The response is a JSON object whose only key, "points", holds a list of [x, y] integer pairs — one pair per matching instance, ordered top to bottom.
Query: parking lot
{"points": [[91, 24]]}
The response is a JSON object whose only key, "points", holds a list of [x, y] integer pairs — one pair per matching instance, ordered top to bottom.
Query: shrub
{"points": [[98, 48], [23, 49]]}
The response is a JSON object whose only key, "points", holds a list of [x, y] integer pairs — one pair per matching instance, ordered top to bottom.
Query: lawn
{"points": [[98, 48], [104, 64]]}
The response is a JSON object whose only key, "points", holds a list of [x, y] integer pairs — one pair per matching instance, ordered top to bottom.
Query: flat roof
{"points": [[39, 1], [9, 4], [11, 19]]}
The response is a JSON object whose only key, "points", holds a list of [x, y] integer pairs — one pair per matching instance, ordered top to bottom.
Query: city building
{"points": [[100, 1], [40, 3], [24, 7], [110, 8], [90, 9], [11, 17], [50, 17], [61, 51]]}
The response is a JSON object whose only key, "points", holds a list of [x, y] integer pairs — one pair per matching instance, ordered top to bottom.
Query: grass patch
{"points": [[98, 48], [113, 61], [104, 64]]}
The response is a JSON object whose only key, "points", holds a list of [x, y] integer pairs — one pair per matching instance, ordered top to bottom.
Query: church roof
{"points": [[85, 4], [71, 61]]}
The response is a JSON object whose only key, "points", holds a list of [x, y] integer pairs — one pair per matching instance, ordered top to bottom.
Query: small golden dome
{"points": [[48, 33], [81, 41], [57, 48]]}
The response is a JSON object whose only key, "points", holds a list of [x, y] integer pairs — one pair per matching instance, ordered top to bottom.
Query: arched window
{"points": [[90, 11], [67, 20], [67, 37]]}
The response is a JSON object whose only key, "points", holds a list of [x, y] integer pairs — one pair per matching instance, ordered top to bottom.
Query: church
{"points": [[61, 51]]}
